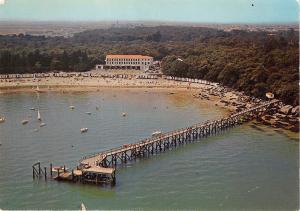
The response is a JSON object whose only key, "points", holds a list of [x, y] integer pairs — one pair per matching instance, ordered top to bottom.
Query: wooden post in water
{"points": [[39, 164], [51, 170], [33, 172], [45, 173], [113, 178]]}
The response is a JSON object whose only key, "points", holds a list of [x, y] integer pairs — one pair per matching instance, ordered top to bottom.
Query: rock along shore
{"points": [[281, 116]]}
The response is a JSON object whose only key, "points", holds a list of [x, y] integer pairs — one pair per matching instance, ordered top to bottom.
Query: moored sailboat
{"points": [[39, 116], [24, 122], [42, 124], [84, 130], [82, 206]]}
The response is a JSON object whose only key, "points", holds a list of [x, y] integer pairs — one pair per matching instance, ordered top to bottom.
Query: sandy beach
{"points": [[75, 83], [211, 94], [214, 94]]}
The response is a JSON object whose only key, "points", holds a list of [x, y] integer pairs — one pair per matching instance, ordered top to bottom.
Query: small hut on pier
{"points": [[95, 175]]}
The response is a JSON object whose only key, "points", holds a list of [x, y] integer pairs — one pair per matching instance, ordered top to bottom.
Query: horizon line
{"points": [[151, 21]]}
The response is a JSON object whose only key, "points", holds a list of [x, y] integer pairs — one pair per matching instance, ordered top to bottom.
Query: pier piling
{"points": [[45, 173], [51, 173]]}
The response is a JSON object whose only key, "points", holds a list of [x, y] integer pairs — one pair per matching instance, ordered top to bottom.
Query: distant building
{"points": [[138, 62]]}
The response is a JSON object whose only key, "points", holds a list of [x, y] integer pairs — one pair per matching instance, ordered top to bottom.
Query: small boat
{"points": [[38, 89], [72, 107], [32, 109], [89, 113], [124, 114], [39, 116], [2, 119], [25, 121], [43, 124], [36, 130], [84, 130], [156, 133], [82, 206]]}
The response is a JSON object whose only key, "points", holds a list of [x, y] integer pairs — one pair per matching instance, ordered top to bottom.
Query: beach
{"points": [[83, 83], [213, 94]]}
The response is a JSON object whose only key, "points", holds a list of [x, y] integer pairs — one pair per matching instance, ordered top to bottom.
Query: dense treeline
{"points": [[35, 61], [255, 62], [255, 65]]}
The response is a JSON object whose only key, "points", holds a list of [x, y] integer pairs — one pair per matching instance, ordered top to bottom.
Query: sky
{"points": [[205, 11]]}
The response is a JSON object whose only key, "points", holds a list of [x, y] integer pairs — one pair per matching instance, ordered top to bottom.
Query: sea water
{"points": [[249, 167]]}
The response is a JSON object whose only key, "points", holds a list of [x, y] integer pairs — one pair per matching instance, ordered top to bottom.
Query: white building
{"points": [[127, 62]]}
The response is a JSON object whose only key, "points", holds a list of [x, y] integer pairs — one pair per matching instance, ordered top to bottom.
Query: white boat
{"points": [[38, 89], [72, 107], [32, 109], [124, 114], [39, 116], [2, 119], [24, 122], [42, 124], [84, 130], [156, 133], [82, 206]]}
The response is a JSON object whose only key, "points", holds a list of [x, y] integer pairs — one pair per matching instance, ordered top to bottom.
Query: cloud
{"points": [[2, 2]]}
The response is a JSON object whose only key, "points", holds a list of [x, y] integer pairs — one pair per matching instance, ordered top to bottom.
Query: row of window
{"points": [[120, 59], [128, 63]]}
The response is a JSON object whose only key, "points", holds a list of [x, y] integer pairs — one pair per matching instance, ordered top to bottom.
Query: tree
{"points": [[229, 75]]}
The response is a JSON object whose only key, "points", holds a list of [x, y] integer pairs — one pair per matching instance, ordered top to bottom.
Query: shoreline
{"points": [[55, 88], [215, 95]]}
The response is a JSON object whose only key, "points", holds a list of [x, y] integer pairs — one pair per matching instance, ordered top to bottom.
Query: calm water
{"points": [[245, 168]]}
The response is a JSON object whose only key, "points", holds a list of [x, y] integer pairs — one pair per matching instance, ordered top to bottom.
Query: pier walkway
{"points": [[154, 145]]}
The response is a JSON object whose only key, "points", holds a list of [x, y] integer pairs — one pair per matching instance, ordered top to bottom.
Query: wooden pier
{"points": [[144, 148], [100, 167]]}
